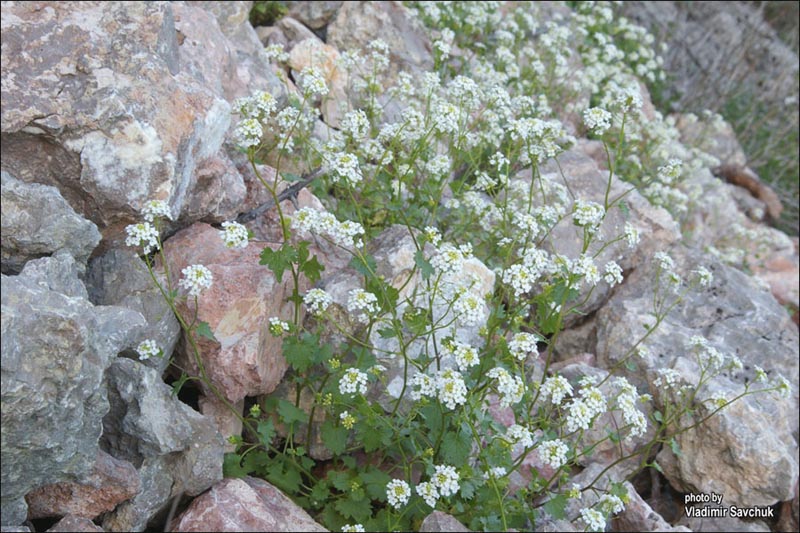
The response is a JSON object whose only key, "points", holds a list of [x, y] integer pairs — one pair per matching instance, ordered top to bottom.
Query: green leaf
{"points": [[288, 176], [279, 260], [423, 264], [365, 266], [312, 269], [204, 330], [387, 333], [299, 352], [630, 365], [178, 385], [290, 413], [658, 416], [433, 417], [266, 431], [334, 437], [374, 438], [455, 447], [675, 447], [657, 466], [232, 467], [284, 475], [340, 480], [375, 481], [319, 494], [556, 506], [359, 510]]}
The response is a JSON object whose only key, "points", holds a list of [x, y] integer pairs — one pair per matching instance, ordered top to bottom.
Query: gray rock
{"points": [[315, 15], [37, 221], [121, 278], [55, 349], [146, 420], [747, 451], [639, 516], [441, 522], [74, 523]]}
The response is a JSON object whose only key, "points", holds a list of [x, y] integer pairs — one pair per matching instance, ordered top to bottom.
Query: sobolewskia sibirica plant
{"points": [[427, 389]]}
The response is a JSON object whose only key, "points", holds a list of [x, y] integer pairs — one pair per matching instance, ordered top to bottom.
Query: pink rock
{"points": [[245, 359], [111, 482], [246, 504]]}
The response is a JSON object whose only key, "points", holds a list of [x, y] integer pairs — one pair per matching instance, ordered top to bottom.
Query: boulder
{"points": [[53, 395], [246, 504], [439, 522], [75, 523]]}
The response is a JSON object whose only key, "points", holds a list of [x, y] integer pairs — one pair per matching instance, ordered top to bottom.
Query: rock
{"points": [[315, 15], [231, 16], [359, 23], [296, 32], [313, 52], [110, 107], [712, 135], [745, 177], [37, 221], [120, 277], [245, 360], [52, 383], [146, 420], [226, 421], [747, 451], [111, 482], [246, 504], [134, 514], [639, 516], [439, 522], [74, 523]]}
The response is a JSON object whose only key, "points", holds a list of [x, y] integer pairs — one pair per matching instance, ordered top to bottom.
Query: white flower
{"points": [[312, 82], [598, 120], [355, 124], [248, 133], [344, 167], [156, 208], [588, 215], [144, 235], [234, 235], [433, 235], [631, 235], [451, 259], [613, 275], [704, 276], [195, 279], [317, 301], [362, 303], [278, 327], [523, 344], [148, 349], [464, 354], [761, 375], [353, 382], [426, 384], [510, 387], [557, 387], [452, 391], [347, 419], [520, 435], [553, 452], [495, 472], [445, 479], [428, 492], [397, 493], [610, 504], [594, 520], [353, 528]]}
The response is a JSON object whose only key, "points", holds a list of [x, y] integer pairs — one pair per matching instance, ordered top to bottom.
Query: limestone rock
{"points": [[315, 15], [37, 221], [111, 482], [154, 496], [246, 504], [639, 516], [75, 523]]}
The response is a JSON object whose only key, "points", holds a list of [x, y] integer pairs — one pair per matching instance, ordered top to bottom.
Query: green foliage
{"points": [[267, 12]]}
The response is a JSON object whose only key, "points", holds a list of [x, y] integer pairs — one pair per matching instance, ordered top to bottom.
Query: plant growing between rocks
{"points": [[434, 387]]}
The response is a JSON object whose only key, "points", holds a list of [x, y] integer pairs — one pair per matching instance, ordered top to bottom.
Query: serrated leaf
{"points": [[280, 260], [423, 264], [312, 269], [204, 330], [387, 333], [299, 351], [290, 413], [266, 431], [334, 437], [455, 447], [232, 466], [283, 475], [340, 480], [375, 482], [319, 494], [556, 506], [360, 510]]}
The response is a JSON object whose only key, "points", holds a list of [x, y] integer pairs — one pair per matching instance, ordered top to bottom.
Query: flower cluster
{"points": [[143, 234], [234, 234], [346, 234], [195, 279], [317, 301], [362, 304], [523, 344], [147, 349], [353, 382], [510, 388], [557, 388], [554, 452], [397, 493]]}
